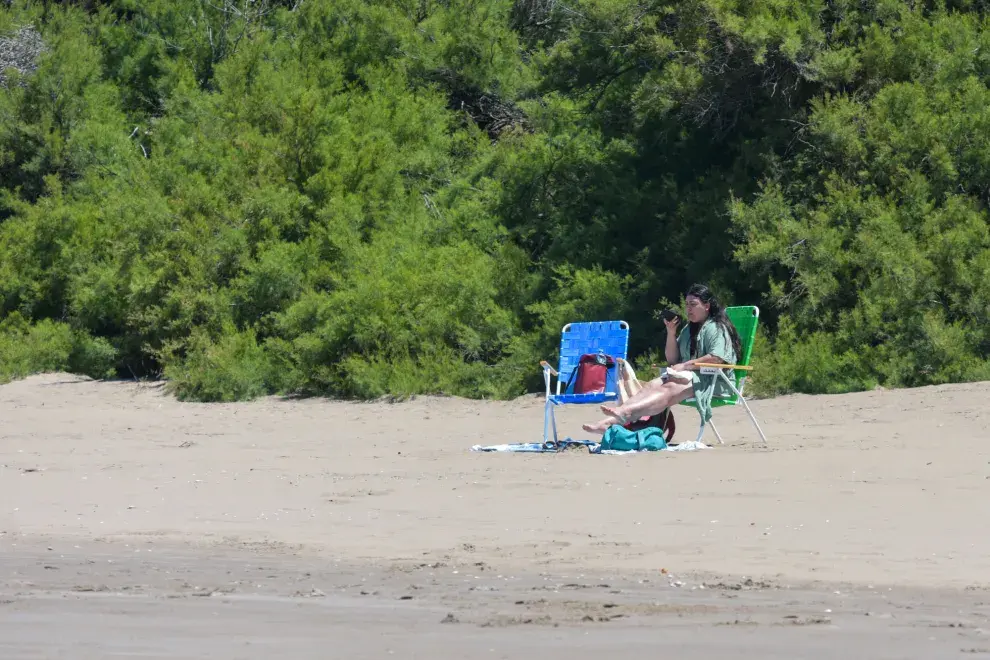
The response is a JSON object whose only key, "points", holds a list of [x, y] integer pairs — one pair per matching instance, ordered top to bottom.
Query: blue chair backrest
{"points": [[577, 339]]}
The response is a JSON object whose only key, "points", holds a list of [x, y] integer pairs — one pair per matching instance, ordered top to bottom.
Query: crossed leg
{"points": [[648, 391], [655, 397]]}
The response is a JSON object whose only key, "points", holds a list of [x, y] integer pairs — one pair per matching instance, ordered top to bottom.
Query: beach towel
{"points": [[569, 444], [536, 447], [522, 448]]}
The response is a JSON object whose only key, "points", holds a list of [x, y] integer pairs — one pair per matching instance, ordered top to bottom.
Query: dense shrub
{"points": [[391, 197]]}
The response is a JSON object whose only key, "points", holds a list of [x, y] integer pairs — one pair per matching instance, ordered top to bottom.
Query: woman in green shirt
{"points": [[709, 338]]}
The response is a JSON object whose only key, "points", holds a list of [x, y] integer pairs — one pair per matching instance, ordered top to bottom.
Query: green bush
{"points": [[380, 197], [48, 346], [811, 364], [233, 367]]}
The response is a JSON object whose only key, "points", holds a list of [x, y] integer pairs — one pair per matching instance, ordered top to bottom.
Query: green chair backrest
{"points": [[745, 319]]}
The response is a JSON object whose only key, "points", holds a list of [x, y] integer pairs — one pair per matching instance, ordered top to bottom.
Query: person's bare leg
{"points": [[629, 384], [648, 390], [654, 400], [658, 400], [612, 417]]}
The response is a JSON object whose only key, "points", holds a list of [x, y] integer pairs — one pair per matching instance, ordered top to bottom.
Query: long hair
{"points": [[716, 312]]}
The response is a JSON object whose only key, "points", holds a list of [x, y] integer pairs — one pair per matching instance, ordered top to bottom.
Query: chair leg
{"points": [[749, 411], [753, 418], [546, 420], [549, 422], [553, 424], [701, 433], [717, 434]]}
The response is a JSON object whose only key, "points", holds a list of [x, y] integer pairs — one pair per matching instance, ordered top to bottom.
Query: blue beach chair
{"points": [[577, 339]]}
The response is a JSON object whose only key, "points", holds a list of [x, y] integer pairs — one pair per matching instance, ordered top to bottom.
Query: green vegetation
{"points": [[369, 197]]}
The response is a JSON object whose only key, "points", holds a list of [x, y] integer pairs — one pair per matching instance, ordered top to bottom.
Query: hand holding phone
{"points": [[670, 319]]}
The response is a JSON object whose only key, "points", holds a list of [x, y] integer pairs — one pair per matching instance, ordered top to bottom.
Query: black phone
{"points": [[669, 315]]}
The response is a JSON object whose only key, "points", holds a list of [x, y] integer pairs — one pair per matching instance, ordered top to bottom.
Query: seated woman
{"points": [[709, 338]]}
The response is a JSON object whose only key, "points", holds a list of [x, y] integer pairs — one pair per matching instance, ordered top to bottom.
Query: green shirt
{"points": [[714, 340]]}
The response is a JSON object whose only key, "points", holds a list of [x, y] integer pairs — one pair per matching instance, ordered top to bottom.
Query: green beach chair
{"points": [[745, 319]]}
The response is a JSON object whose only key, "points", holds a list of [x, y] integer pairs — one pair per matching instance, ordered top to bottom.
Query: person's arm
{"points": [[670, 350], [704, 359]]}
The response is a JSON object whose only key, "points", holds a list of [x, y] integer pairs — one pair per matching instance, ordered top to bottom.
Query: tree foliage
{"points": [[388, 197]]}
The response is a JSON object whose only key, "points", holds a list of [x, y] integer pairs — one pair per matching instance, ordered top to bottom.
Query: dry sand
{"points": [[138, 526]]}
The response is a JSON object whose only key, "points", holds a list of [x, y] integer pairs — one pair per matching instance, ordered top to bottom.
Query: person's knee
{"points": [[668, 395]]}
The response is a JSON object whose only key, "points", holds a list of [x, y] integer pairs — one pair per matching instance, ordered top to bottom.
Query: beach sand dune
{"points": [[858, 503]]}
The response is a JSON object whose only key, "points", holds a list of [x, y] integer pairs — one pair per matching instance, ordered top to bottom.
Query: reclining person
{"points": [[709, 338]]}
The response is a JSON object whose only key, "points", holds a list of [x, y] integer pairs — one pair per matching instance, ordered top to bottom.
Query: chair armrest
{"points": [[723, 366], [546, 367]]}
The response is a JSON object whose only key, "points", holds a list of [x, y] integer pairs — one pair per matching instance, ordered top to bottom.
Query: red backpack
{"points": [[591, 373]]}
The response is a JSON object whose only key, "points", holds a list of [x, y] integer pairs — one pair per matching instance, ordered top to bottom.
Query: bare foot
{"points": [[613, 412], [617, 414], [600, 427]]}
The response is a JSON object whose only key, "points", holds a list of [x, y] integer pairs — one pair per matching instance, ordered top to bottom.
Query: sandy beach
{"points": [[139, 526]]}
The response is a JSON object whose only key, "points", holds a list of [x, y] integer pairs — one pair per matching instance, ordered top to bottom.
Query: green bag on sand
{"points": [[619, 438]]}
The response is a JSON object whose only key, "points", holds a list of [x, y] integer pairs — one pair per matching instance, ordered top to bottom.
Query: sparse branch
{"points": [[20, 52]]}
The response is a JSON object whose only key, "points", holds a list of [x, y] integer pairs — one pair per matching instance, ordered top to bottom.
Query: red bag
{"points": [[591, 374]]}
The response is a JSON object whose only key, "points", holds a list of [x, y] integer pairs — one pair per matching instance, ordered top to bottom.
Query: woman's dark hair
{"points": [[716, 312]]}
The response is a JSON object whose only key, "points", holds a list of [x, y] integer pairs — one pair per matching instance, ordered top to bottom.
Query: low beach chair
{"points": [[745, 319], [577, 339]]}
